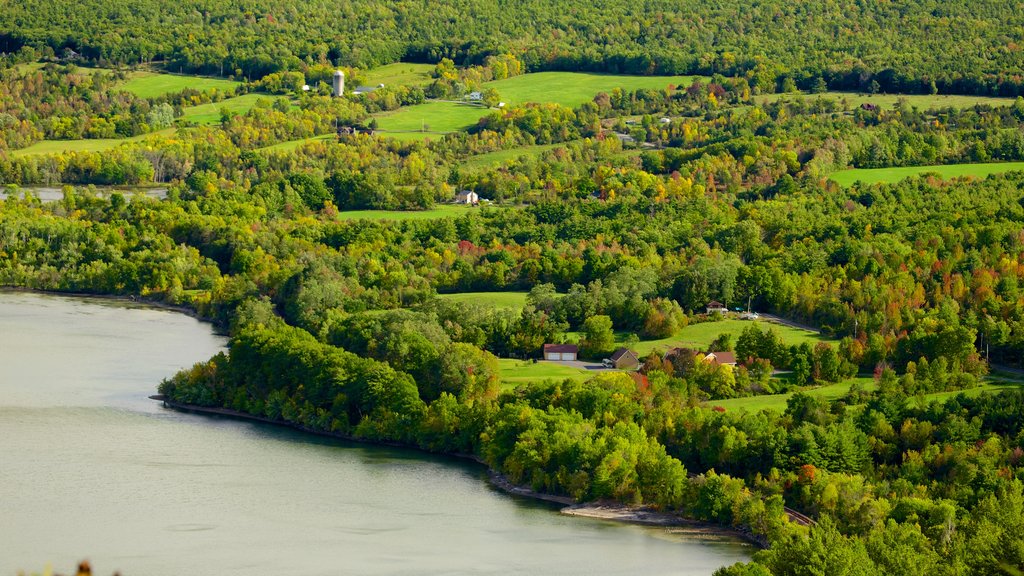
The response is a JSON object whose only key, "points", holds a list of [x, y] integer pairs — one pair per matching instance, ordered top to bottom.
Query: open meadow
{"points": [[399, 74], [152, 84], [565, 88], [920, 101], [945, 171], [501, 300]]}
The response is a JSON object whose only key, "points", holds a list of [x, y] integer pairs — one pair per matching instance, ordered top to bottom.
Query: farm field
{"points": [[400, 74], [152, 84], [566, 88], [574, 88], [921, 101], [210, 113], [431, 117], [82, 145], [292, 145], [502, 156], [946, 171], [439, 211], [501, 300], [701, 335], [514, 372], [777, 402]]}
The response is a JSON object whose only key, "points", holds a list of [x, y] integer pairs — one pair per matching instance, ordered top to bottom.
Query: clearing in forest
{"points": [[152, 84], [945, 171]]}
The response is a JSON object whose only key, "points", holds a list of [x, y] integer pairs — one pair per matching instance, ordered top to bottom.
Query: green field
{"points": [[400, 74], [151, 84], [566, 88], [574, 88], [921, 101], [210, 113], [431, 117], [83, 145], [292, 145], [500, 157], [946, 171], [439, 211], [506, 300], [699, 336], [515, 372], [777, 402]]}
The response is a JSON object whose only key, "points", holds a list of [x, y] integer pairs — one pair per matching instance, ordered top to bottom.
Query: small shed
{"points": [[475, 96], [467, 197], [716, 306], [561, 352], [624, 359]]}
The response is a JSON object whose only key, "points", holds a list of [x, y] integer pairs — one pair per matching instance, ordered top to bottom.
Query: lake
{"points": [[91, 468]]}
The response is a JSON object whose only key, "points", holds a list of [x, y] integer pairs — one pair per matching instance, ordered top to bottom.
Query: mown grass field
{"points": [[400, 74], [152, 84], [566, 88], [574, 88], [921, 101], [206, 114], [431, 117], [83, 145], [292, 145], [491, 159], [847, 178], [439, 211], [505, 300], [701, 335], [515, 372], [777, 402]]}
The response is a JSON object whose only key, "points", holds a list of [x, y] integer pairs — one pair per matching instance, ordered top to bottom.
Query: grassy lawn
{"points": [[400, 74], [151, 84], [566, 88], [574, 88], [921, 101], [210, 113], [431, 117], [409, 136], [83, 145], [292, 145], [491, 159], [946, 171], [439, 211], [506, 300], [701, 335], [515, 372], [777, 402]]}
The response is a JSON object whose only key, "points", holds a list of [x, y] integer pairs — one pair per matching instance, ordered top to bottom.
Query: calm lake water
{"points": [[90, 468]]}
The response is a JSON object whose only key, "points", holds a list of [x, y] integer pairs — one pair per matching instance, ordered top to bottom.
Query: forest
{"points": [[329, 250]]}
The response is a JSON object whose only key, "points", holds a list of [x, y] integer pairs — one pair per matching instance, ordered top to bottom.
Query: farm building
{"points": [[338, 84], [475, 96], [467, 197], [716, 306], [561, 351], [720, 358], [624, 359]]}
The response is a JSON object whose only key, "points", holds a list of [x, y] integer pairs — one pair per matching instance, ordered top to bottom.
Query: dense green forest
{"points": [[919, 46], [327, 249]]}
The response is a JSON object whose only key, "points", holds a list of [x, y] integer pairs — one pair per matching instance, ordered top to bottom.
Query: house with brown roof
{"points": [[716, 306], [561, 351], [720, 358], [623, 359]]}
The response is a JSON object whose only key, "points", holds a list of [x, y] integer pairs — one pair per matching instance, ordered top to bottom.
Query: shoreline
{"points": [[135, 301], [608, 511]]}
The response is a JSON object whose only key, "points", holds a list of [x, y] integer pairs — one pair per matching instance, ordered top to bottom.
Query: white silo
{"points": [[339, 84]]}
